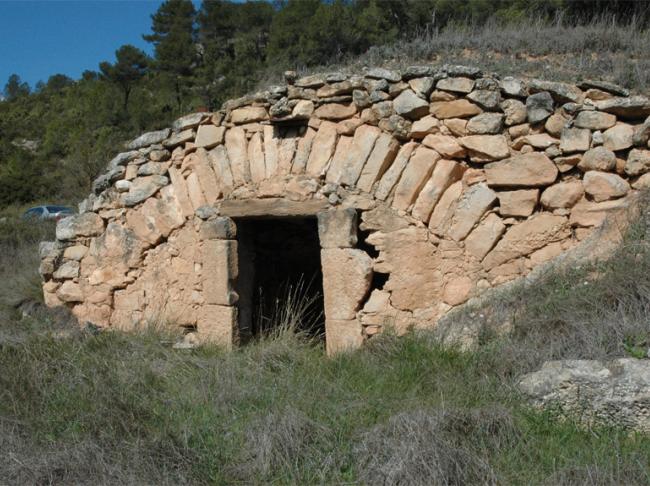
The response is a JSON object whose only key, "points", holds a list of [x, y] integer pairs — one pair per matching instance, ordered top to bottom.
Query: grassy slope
{"points": [[113, 409]]}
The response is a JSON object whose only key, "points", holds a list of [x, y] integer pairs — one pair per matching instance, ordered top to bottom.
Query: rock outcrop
{"points": [[461, 182]]}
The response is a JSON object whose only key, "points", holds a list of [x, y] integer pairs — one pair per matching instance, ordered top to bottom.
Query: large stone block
{"points": [[208, 136], [322, 148], [237, 149], [382, 155], [534, 169], [394, 172], [445, 173], [415, 175], [86, 224], [220, 228], [337, 228], [220, 269], [347, 274], [217, 324], [342, 335]]}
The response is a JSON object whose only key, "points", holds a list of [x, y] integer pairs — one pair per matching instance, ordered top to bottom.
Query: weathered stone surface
{"points": [[381, 73], [457, 85], [422, 86], [513, 86], [563, 92], [487, 99], [410, 105], [539, 107], [632, 107], [454, 109], [335, 111], [515, 112], [248, 114], [594, 120], [189, 121], [485, 123], [424, 126], [208, 136], [619, 137], [149, 138], [179, 138], [575, 140], [362, 145], [445, 145], [237, 148], [322, 148], [485, 148], [382, 155], [256, 158], [598, 158], [122, 159], [638, 162], [153, 168], [527, 170], [394, 172], [445, 173], [414, 177], [602, 186], [143, 188], [180, 189], [562, 195], [520, 203], [471, 206], [443, 211], [587, 213], [86, 224], [219, 228], [337, 228], [526, 237], [483, 238], [76, 252], [68, 269], [220, 270], [347, 274], [457, 290], [70, 292], [217, 324], [342, 335], [613, 393]]}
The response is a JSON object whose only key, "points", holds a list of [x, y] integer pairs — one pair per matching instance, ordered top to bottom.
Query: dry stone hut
{"points": [[402, 195]]}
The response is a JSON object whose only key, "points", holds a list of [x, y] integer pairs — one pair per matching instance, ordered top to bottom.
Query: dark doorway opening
{"points": [[280, 281]]}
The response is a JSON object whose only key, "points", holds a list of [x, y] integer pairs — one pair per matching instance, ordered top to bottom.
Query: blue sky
{"points": [[41, 38]]}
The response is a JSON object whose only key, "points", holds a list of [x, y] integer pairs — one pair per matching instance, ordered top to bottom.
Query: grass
{"points": [[555, 50], [110, 408]]}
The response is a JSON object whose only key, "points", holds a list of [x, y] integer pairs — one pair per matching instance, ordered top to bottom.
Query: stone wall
{"points": [[460, 182]]}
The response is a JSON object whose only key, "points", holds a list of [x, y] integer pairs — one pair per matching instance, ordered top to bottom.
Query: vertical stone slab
{"points": [[362, 144], [236, 147], [322, 149], [270, 150], [287, 150], [302, 153], [382, 155], [218, 157], [256, 158], [337, 166], [394, 172], [445, 173], [207, 177], [414, 177], [180, 189], [195, 191], [469, 209], [444, 210], [337, 228], [219, 271], [347, 275], [217, 324]]}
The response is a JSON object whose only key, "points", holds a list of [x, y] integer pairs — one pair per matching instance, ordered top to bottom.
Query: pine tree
{"points": [[130, 66], [15, 88]]}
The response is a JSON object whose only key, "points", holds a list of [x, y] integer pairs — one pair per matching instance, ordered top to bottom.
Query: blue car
{"points": [[48, 212]]}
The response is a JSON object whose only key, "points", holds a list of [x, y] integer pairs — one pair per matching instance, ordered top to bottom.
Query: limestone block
{"points": [[457, 85], [410, 105], [539, 107], [625, 107], [454, 109], [335, 111], [515, 112], [248, 114], [594, 120], [188, 121], [485, 123], [555, 124], [424, 126], [457, 126], [208, 136], [619, 137], [149, 138], [179, 138], [575, 140], [362, 144], [445, 145], [237, 148], [322, 148], [485, 148], [270, 150], [286, 151], [303, 151], [383, 153], [218, 158], [256, 158], [598, 158], [638, 162], [337, 165], [152, 168], [528, 170], [394, 172], [445, 173], [415, 175], [207, 177], [602, 186], [143, 188], [180, 190], [195, 191], [562, 195], [520, 203], [469, 209], [443, 211], [587, 213], [86, 224], [219, 228], [337, 228], [526, 237], [483, 238], [76, 252], [69, 269], [220, 269], [347, 274], [457, 290], [70, 292], [217, 324], [342, 335]]}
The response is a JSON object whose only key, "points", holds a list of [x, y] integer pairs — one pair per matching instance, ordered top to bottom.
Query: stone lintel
{"points": [[273, 207]]}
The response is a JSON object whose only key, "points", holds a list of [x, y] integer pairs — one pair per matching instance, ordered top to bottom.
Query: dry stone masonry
{"points": [[429, 187]]}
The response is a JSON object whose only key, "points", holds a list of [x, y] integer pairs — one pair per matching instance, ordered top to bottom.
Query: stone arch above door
{"points": [[460, 183]]}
